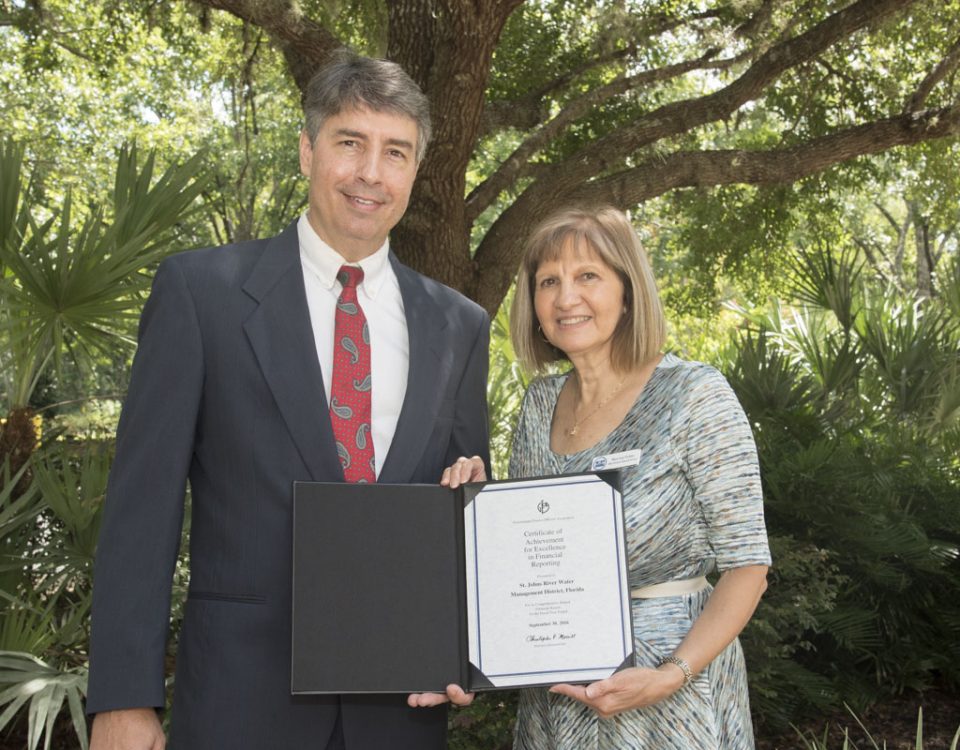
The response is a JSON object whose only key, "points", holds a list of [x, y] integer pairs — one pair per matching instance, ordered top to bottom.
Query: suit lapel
{"points": [[281, 335], [427, 376]]}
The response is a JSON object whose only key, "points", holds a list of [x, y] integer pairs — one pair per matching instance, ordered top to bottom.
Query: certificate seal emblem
{"points": [[543, 506]]}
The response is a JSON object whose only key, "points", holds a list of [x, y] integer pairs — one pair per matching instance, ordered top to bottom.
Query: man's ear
{"points": [[306, 153]]}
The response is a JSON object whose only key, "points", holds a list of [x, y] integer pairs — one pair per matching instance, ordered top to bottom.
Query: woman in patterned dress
{"points": [[692, 502]]}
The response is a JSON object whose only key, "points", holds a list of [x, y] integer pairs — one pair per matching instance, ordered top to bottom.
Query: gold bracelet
{"points": [[677, 661]]}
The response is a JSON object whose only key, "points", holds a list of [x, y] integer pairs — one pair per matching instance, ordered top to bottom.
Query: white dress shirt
{"points": [[379, 296]]}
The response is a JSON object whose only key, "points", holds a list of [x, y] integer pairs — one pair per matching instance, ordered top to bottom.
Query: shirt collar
{"points": [[324, 262]]}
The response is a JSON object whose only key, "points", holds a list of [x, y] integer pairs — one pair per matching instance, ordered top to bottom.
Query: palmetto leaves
{"points": [[13, 213], [831, 282], [73, 285], [70, 288], [908, 344], [854, 395], [44, 690]]}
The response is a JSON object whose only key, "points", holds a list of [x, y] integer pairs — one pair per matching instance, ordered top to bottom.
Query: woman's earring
{"points": [[544, 338]]}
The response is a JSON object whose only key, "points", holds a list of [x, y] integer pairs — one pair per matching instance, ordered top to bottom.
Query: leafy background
{"points": [[833, 306]]}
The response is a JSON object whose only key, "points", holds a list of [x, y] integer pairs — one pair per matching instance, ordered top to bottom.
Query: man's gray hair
{"points": [[354, 81]]}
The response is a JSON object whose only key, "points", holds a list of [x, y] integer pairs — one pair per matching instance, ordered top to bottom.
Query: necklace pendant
{"points": [[573, 430]]}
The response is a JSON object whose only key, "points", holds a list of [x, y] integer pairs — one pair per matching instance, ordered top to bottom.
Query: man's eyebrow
{"points": [[361, 136]]}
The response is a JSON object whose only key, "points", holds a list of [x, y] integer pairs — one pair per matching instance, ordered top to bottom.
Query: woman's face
{"points": [[578, 299]]}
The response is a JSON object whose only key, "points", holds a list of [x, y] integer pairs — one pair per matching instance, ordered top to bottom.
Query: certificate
{"points": [[409, 588], [547, 593]]}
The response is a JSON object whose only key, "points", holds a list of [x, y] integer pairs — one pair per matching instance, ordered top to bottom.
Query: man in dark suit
{"points": [[231, 389]]}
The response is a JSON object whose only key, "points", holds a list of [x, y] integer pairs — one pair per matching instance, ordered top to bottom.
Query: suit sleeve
{"points": [[471, 428], [143, 517]]}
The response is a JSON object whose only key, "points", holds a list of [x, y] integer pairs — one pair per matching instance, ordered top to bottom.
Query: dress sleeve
{"points": [[712, 437]]}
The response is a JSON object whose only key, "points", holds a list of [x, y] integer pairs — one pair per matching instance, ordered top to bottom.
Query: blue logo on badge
{"points": [[600, 462]]}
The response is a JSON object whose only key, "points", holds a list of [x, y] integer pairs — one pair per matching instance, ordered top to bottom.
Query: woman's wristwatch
{"points": [[687, 673]]}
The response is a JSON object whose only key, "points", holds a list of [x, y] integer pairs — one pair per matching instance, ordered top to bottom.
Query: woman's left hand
{"points": [[627, 689]]}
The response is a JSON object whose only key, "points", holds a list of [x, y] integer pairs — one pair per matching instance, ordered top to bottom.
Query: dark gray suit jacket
{"points": [[226, 390]]}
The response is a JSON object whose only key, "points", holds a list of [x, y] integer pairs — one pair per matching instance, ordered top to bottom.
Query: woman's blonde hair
{"points": [[641, 332]]}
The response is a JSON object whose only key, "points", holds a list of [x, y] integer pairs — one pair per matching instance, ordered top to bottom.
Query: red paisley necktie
{"points": [[351, 386]]}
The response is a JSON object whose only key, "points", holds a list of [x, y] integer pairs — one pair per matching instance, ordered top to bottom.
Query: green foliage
{"points": [[80, 80], [71, 285], [74, 285], [505, 389], [846, 396], [18, 512], [48, 535], [48, 603], [780, 636], [43, 689], [485, 724]]}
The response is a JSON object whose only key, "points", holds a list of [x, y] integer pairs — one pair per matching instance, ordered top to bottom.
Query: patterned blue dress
{"points": [[692, 505]]}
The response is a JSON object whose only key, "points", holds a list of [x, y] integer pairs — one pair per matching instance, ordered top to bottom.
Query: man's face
{"points": [[361, 169]]}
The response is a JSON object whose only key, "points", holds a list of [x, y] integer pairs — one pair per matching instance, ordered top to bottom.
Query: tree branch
{"points": [[758, 22], [305, 44], [941, 71], [836, 73], [528, 111], [683, 116], [518, 166], [769, 167], [897, 227], [902, 230], [945, 238], [497, 254], [871, 258]]}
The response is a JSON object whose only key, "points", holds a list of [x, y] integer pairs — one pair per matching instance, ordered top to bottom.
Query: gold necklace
{"points": [[603, 402]]}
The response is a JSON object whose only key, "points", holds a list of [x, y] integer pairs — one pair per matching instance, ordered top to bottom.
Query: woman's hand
{"points": [[464, 470], [727, 610], [627, 689], [454, 694]]}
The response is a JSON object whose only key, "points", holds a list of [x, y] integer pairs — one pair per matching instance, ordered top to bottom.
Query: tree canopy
{"points": [[541, 103]]}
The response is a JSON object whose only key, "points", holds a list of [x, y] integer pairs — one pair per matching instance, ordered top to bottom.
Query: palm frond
{"points": [[12, 211], [828, 280], [74, 285], [908, 344], [831, 355], [73, 487], [18, 507], [855, 629], [43, 689]]}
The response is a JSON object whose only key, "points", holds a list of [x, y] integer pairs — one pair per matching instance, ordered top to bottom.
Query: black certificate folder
{"points": [[409, 588]]}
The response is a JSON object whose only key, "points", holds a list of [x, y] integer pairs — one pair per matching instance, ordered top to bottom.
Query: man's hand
{"points": [[464, 470], [454, 694], [128, 729]]}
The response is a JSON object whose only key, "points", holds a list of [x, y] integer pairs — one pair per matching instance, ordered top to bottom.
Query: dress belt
{"points": [[670, 588]]}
